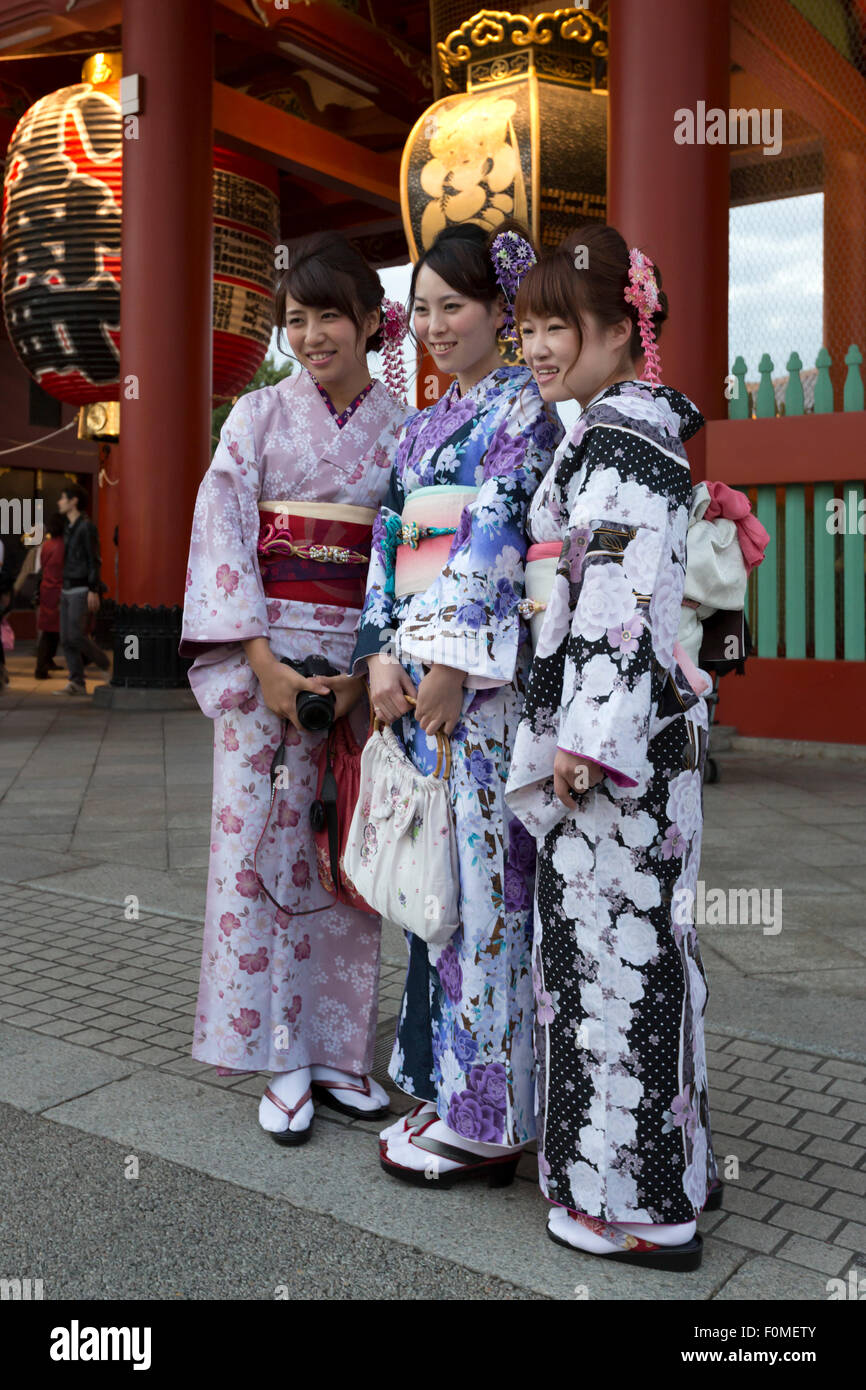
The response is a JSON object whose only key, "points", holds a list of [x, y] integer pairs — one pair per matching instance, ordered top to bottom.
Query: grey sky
{"points": [[775, 300]]}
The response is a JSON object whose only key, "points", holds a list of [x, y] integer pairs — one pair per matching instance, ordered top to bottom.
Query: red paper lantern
{"points": [[62, 205]]}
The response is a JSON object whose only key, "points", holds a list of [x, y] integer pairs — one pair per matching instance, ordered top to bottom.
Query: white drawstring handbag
{"points": [[401, 850]]}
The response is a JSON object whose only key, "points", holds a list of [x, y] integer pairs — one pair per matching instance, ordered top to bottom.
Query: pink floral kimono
{"points": [[278, 990]]}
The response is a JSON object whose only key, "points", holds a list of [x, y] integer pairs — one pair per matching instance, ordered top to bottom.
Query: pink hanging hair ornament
{"points": [[643, 293], [395, 326]]}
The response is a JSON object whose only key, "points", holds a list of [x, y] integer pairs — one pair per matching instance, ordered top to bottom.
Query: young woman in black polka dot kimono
{"points": [[606, 774]]}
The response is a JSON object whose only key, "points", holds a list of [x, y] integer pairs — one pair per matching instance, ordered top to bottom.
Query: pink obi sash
{"points": [[431, 516], [315, 552], [541, 562]]}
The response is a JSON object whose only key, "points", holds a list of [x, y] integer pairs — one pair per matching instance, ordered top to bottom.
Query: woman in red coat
{"points": [[50, 584]]}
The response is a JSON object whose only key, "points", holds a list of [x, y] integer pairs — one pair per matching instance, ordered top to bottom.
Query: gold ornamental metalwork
{"points": [[499, 29], [522, 133]]}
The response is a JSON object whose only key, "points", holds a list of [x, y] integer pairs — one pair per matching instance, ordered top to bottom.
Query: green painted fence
{"points": [[762, 403], [808, 598]]}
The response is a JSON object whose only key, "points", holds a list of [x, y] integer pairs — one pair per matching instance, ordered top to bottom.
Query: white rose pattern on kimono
{"points": [[277, 991], [464, 1036], [622, 1077]]}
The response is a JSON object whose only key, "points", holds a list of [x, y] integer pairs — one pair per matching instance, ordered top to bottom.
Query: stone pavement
{"points": [[95, 1024]]}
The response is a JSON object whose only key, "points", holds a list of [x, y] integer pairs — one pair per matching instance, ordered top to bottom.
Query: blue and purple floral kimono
{"points": [[464, 1036]]}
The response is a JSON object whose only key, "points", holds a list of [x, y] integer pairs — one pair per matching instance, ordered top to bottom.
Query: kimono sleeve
{"points": [[224, 600], [612, 618], [469, 619], [375, 628]]}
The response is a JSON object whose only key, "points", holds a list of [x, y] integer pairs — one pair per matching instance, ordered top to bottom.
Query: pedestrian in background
{"points": [[50, 561], [81, 588]]}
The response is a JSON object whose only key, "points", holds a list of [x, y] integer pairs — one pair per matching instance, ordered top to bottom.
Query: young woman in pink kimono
{"points": [[300, 465]]}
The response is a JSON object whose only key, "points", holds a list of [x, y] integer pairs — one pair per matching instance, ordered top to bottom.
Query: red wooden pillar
{"points": [[672, 199], [844, 259], [166, 302], [106, 511]]}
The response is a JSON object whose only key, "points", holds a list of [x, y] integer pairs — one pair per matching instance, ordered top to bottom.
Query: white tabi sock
{"points": [[289, 1086], [374, 1101], [428, 1108], [408, 1155], [662, 1234], [582, 1238]]}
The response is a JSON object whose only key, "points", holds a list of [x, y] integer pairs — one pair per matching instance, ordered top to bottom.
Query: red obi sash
{"points": [[315, 559]]}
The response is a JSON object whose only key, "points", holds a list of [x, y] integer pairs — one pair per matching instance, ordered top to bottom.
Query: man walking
{"points": [[81, 588]]}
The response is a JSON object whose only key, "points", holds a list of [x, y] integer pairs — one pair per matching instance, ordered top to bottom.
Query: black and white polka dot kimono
{"points": [[620, 988]]}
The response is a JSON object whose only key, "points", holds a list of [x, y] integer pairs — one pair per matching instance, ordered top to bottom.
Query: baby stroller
{"points": [[725, 541]]}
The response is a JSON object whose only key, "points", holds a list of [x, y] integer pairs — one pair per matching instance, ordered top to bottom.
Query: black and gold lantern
{"points": [[522, 132]]}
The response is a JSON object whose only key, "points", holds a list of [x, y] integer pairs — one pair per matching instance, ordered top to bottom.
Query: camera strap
{"points": [[328, 782], [328, 798]]}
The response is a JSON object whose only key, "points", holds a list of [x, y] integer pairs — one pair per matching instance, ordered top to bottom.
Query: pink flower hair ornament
{"points": [[643, 293], [395, 326]]}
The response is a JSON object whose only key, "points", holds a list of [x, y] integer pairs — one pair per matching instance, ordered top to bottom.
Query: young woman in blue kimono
{"points": [[441, 627], [607, 775]]}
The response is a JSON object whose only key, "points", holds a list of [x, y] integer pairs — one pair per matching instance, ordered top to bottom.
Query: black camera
{"points": [[315, 712]]}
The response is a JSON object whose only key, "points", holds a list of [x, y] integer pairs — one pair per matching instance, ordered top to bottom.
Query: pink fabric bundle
{"points": [[734, 506]]}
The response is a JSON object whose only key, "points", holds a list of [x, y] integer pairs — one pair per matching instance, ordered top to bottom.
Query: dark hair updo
{"points": [[460, 255], [326, 271], [562, 286]]}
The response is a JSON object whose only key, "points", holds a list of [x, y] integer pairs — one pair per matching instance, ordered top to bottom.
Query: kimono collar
{"points": [[493, 383], [614, 386], [676, 414], [341, 417], [332, 424]]}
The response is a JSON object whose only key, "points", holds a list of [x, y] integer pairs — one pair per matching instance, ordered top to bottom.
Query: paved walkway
{"points": [[103, 848]]}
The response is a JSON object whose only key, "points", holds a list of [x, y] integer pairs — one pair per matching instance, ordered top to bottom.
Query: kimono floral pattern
{"points": [[620, 988], [278, 990], [464, 1035]]}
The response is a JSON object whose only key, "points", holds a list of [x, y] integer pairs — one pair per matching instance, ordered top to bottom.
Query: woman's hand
{"points": [[389, 686], [280, 689], [348, 690], [440, 699], [573, 774]]}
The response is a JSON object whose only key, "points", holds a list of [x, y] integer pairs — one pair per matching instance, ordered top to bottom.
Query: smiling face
{"points": [[458, 332], [326, 341], [565, 370]]}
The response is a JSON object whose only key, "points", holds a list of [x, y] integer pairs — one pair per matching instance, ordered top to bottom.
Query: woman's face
{"points": [[457, 331], [326, 341], [551, 345]]}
